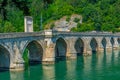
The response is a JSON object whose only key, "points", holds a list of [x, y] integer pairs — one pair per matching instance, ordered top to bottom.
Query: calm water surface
{"points": [[101, 66]]}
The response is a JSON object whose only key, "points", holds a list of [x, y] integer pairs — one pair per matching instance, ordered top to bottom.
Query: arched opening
{"points": [[112, 41], [118, 41], [104, 43], [94, 45], [79, 46], [60, 48], [33, 53], [4, 59]]}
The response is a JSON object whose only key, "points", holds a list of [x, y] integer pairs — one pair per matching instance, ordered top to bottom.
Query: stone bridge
{"points": [[47, 46]]}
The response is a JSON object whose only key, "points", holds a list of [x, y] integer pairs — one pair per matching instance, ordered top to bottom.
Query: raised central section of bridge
{"points": [[47, 46]]}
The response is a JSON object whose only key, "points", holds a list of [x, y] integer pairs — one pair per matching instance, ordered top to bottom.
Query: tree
{"points": [[100, 14], [15, 17], [97, 26], [8, 27]]}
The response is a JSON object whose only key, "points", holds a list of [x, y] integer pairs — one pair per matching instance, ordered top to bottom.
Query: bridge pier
{"points": [[116, 44], [109, 46], [100, 47], [87, 48], [71, 52], [49, 54], [17, 60]]}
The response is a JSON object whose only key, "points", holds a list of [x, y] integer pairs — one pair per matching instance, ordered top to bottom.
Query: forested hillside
{"points": [[99, 15]]}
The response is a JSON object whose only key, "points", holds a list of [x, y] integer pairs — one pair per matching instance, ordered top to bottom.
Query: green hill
{"points": [[99, 15]]}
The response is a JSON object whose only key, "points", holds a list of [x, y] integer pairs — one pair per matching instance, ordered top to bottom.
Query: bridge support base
{"points": [[116, 48], [109, 49], [87, 53], [71, 56], [48, 61], [17, 67]]}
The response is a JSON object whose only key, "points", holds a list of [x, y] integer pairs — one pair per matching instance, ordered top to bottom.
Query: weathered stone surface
{"points": [[28, 24], [63, 25], [47, 46]]}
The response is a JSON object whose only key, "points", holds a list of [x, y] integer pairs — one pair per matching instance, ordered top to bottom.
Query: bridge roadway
{"points": [[47, 46]]}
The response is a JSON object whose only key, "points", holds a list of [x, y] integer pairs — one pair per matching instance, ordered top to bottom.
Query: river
{"points": [[100, 66]]}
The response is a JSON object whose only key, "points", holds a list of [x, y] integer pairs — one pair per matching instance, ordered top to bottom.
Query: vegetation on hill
{"points": [[99, 15]]}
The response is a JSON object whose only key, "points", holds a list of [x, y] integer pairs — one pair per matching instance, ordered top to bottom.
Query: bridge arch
{"points": [[112, 41], [118, 41], [104, 43], [94, 45], [79, 46], [60, 48], [34, 51], [4, 58]]}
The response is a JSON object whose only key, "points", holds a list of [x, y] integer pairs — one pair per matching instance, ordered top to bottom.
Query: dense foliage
{"points": [[99, 15]]}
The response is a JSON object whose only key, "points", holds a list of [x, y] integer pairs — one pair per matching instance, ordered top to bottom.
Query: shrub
{"points": [[68, 19], [76, 20], [78, 25], [52, 26], [8, 27], [74, 29]]}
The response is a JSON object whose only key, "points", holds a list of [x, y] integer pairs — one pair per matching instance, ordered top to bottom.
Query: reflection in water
{"points": [[118, 54], [113, 57], [100, 66], [79, 68], [71, 69], [60, 70], [48, 72], [35, 73], [5, 75], [19, 75]]}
